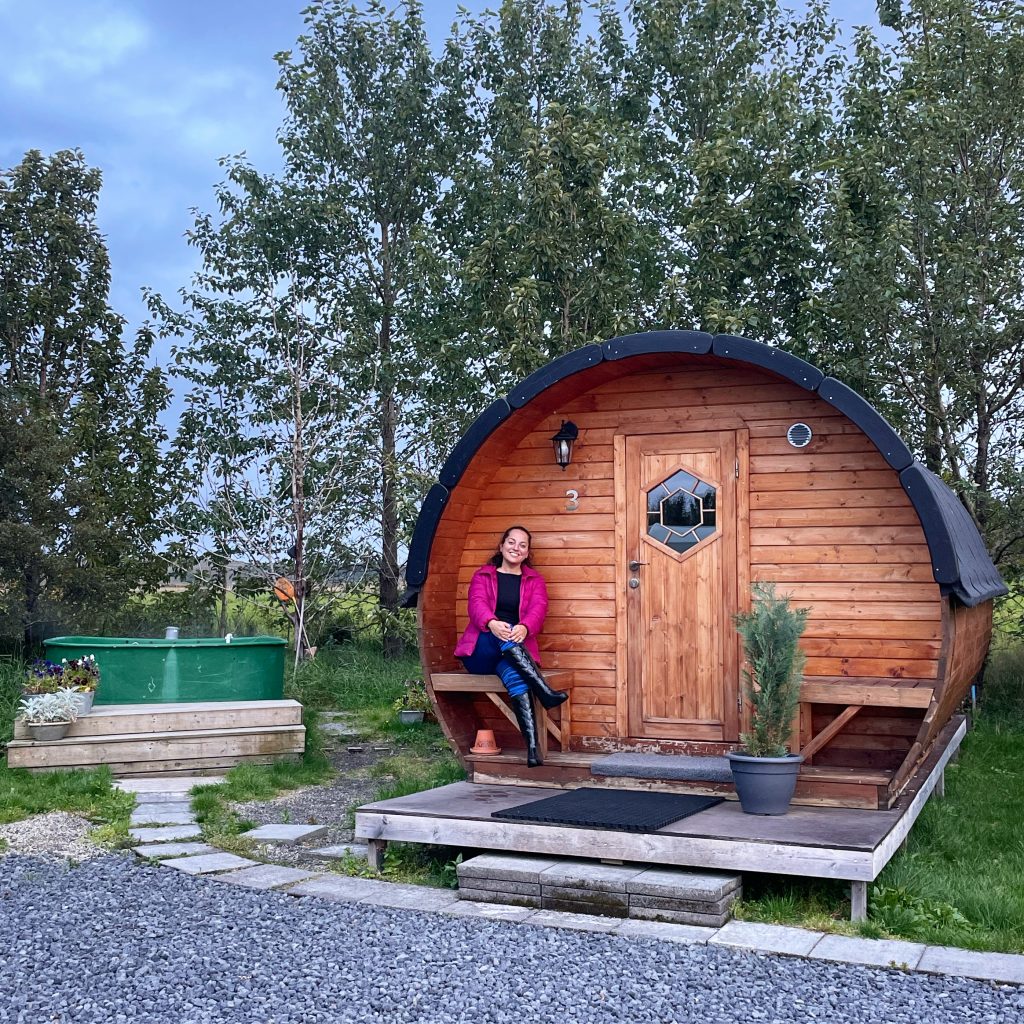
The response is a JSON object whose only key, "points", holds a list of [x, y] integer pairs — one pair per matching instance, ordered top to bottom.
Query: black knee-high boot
{"points": [[521, 658], [522, 705]]}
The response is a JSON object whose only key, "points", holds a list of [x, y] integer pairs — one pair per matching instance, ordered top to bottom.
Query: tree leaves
{"points": [[80, 484]]}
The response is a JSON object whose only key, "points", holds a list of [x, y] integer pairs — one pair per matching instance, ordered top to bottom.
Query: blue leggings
{"points": [[486, 659]]}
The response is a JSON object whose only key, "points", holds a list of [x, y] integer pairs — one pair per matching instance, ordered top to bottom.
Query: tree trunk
{"points": [[388, 572], [389, 583], [33, 591], [222, 624]]}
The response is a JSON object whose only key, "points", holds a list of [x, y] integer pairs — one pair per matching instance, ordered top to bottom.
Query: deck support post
{"points": [[940, 785], [375, 853], [858, 901]]}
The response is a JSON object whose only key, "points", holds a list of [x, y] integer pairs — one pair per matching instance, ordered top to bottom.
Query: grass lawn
{"points": [[958, 881]]}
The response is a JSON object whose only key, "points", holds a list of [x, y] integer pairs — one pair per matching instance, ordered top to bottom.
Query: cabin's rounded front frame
{"points": [[641, 619]]}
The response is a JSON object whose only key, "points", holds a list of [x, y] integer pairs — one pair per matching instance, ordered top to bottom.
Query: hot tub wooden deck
{"points": [[157, 739], [842, 843]]}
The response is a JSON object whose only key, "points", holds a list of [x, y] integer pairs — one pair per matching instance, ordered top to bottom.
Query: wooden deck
{"points": [[182, 739], [814, 842]]}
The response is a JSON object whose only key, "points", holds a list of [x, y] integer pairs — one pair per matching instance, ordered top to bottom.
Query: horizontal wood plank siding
{"points": [[830, 524]]}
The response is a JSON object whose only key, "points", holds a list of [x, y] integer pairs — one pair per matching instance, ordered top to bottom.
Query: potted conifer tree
{"points": [[764, 770]]}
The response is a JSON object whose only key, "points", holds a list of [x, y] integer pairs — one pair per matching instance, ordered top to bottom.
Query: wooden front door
{"points": [[682, 498]]}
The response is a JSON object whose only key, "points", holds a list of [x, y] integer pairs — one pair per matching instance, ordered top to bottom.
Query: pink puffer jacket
{"points": [[483, 599]]}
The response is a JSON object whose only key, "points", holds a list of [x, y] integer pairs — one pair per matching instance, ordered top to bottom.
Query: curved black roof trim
{"points": [[694, 342], [785, 364], [540, 380], [876, 426], [480, 429], [423, 535], [960, 561]]}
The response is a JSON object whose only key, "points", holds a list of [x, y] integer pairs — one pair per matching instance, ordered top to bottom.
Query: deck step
{"points": [[128, 719], [142, 753], [668, 767], [590, 887]]}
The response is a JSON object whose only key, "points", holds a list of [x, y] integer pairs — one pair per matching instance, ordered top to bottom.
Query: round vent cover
{"points": [[799, 435]]}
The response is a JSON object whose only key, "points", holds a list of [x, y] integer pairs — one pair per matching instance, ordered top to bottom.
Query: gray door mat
{"points": [[677, 767]]}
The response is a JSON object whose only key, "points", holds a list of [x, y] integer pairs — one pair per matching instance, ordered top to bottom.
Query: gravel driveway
{"points": [[117, 941]]}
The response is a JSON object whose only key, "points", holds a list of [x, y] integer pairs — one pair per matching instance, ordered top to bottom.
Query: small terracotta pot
{"points": [[485, 743]]}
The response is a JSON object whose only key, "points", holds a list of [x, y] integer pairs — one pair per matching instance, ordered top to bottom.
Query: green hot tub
{"points": [[137, 671]]}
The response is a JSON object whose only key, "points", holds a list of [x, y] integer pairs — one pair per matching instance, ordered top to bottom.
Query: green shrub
{"points": [[771, 633]]}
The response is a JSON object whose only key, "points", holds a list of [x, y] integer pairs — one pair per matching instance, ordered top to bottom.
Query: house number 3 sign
{"points": [[574, 500]]}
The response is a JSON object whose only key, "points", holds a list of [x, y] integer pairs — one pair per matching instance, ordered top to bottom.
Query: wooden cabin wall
{"points": [[829, 523], [968, 635]]}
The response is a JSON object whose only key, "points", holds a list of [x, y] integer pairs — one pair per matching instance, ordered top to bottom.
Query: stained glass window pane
{"points": [[681, 481], [655, 496], [681, 511], [659, 532], [682, 543]]}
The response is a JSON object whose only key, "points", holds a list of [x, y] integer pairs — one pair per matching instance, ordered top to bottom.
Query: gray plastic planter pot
{"points": [[407, 717], [47, 732], [765, 785]]}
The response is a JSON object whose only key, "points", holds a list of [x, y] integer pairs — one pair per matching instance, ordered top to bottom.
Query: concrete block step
{"points": [[129, 719], [138, 753], [635, 891]]}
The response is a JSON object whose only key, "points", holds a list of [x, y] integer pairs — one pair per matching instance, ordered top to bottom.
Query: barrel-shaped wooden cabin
{"points": [[703, 464]]}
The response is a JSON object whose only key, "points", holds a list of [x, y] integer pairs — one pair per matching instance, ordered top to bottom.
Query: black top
{"points": [[508, 597]]}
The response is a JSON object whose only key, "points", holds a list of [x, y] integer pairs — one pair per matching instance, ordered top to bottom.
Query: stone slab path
{"points": [[285, 833], [203, 860]]}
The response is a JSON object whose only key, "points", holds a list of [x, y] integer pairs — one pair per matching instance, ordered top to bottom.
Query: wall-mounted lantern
{"points": [[563, 442]]}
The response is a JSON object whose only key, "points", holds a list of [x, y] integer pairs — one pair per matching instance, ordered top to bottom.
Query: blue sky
{"points": [[154, 92]]}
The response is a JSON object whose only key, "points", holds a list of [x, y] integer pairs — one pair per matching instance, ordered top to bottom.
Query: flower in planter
{"points": [[81, 674], [42, 677], [414, 697]]}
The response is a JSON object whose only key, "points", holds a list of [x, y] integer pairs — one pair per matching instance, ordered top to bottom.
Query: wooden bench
{"points": [[492, 686], [838, 690]]}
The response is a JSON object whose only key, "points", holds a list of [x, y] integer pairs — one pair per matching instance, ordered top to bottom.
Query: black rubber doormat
{"points": [[622, 809]]}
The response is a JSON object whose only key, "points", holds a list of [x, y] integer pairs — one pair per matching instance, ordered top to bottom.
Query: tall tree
{"points": [[731, 98], [362, 136], [927, 212], [540, 218], [271, 430], [80, 488]]}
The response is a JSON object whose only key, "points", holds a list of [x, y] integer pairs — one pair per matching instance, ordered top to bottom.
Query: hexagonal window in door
{"points": [[681, 511]]}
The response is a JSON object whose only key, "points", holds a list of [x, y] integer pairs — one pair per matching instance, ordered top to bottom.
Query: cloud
{"points": [[50, 45]]}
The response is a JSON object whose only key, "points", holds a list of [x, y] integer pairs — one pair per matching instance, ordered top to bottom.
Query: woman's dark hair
{"points": [[495, 559]]}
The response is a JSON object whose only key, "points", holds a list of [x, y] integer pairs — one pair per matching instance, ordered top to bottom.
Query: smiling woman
{"points": [[508, 601]]}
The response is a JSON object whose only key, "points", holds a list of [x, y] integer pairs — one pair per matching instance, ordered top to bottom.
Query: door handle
{"points": [[634, 566]]}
